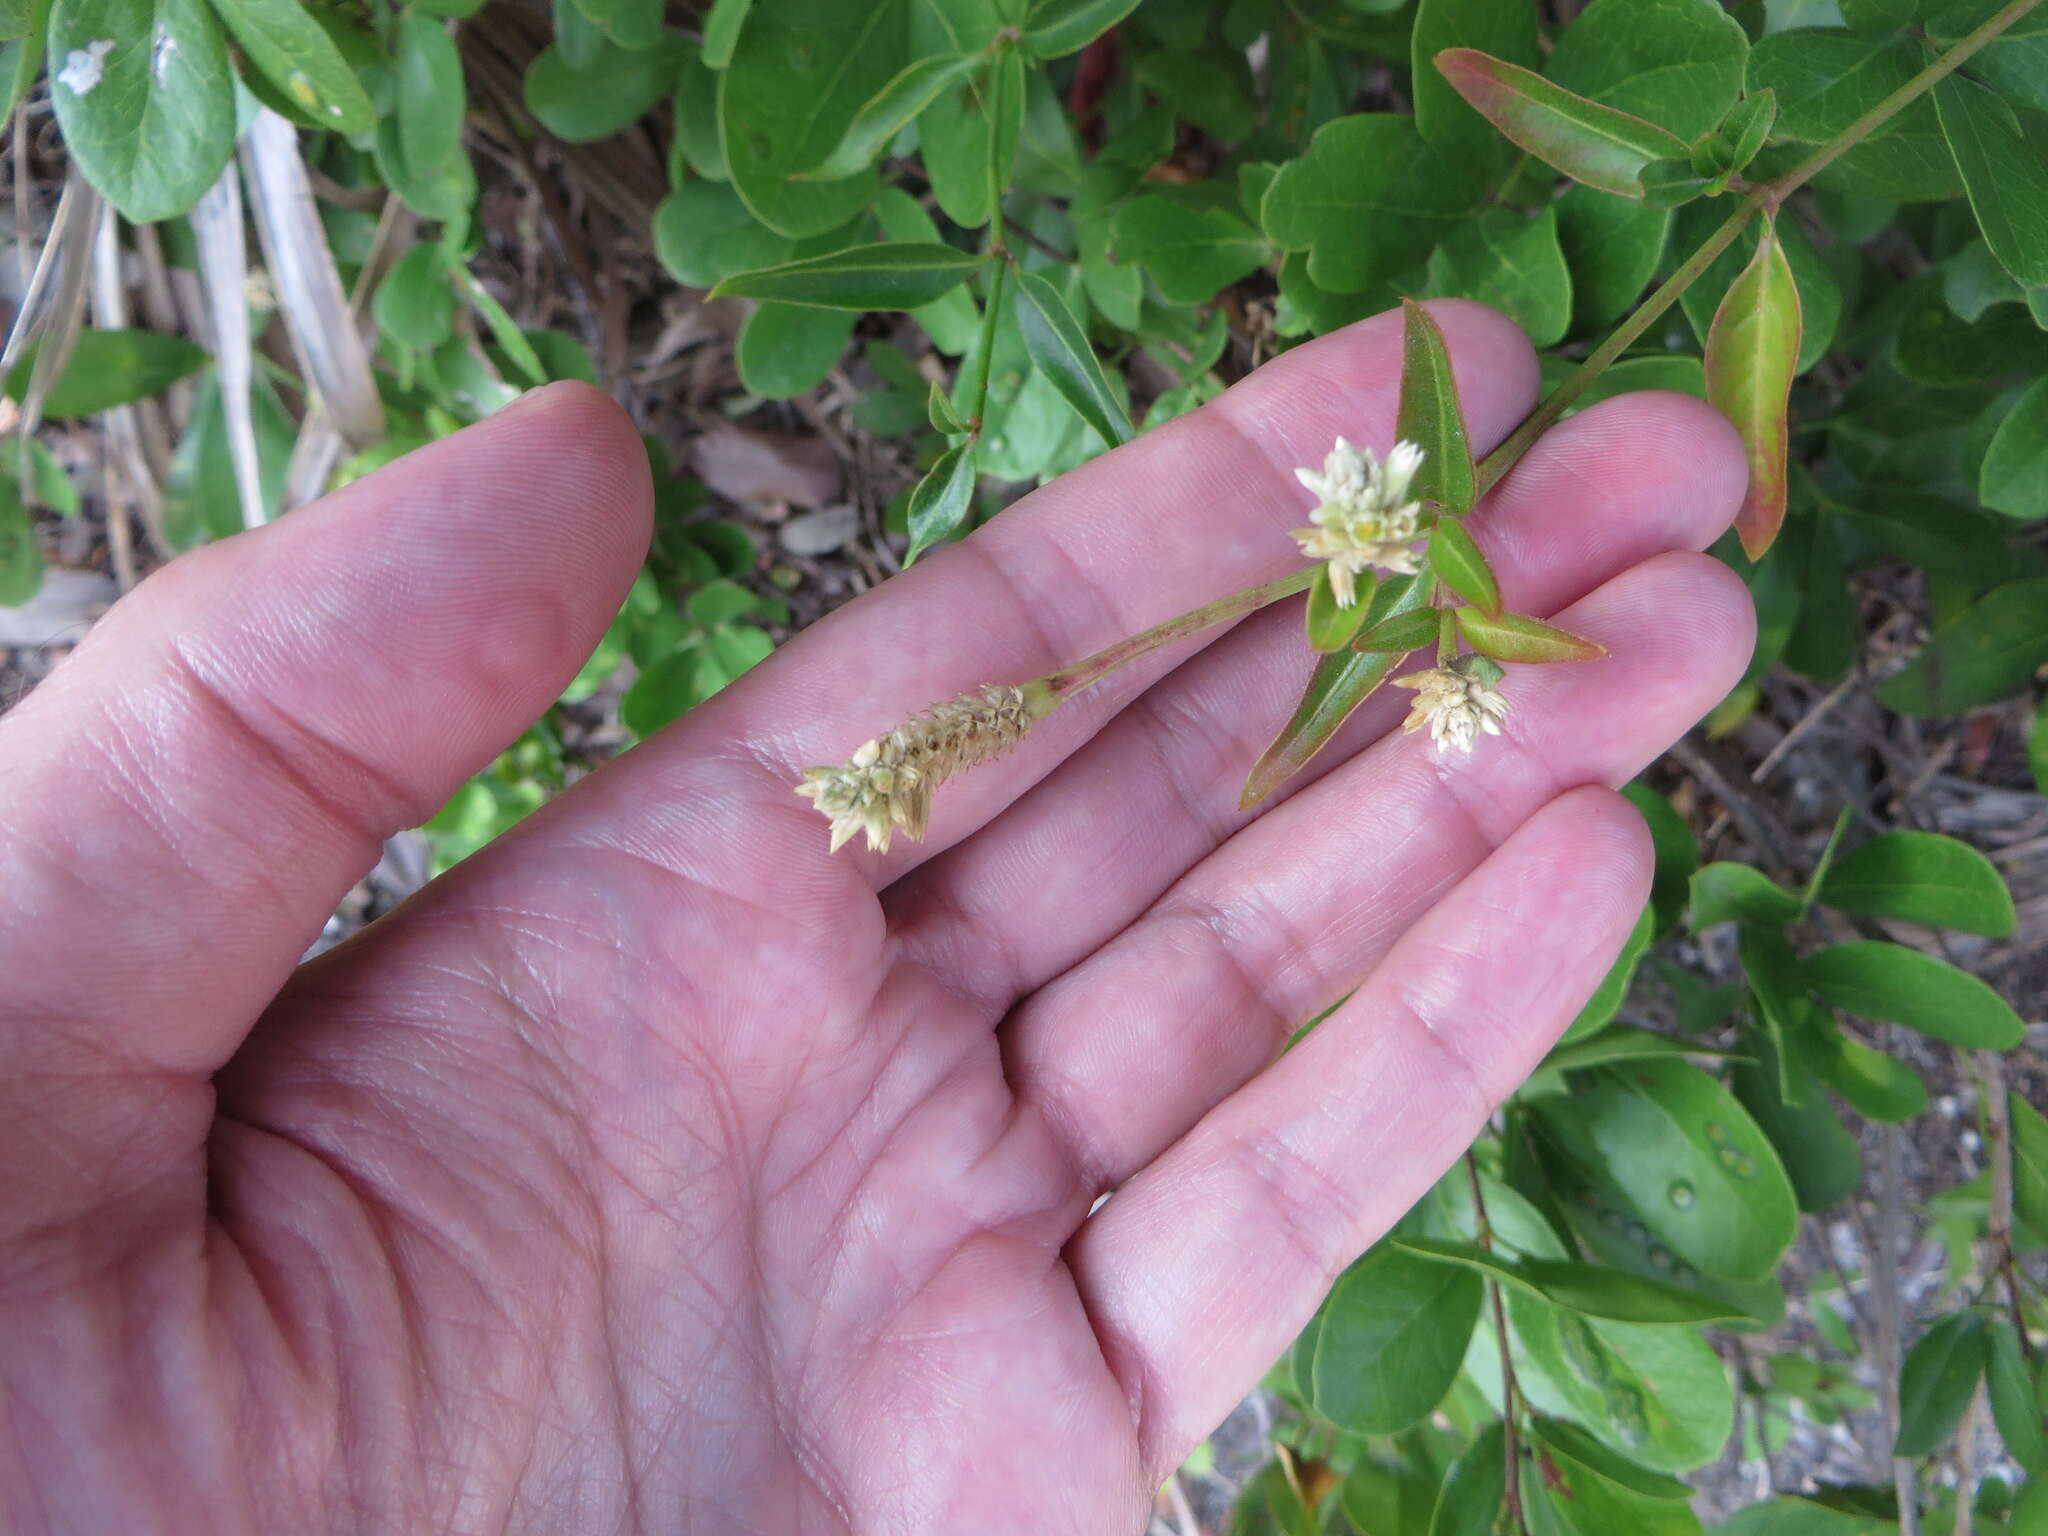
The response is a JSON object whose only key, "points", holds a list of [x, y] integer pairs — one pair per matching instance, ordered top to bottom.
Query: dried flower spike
{"points": [[1365, 518], [1455, 703], [888, 782]]}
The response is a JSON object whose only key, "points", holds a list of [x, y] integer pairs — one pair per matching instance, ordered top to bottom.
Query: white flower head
{"points": [[84, 66], [1365, 518], [1456, 702]]}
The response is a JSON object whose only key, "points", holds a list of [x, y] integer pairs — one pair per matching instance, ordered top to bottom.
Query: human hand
{"points": [[655, 1171]]}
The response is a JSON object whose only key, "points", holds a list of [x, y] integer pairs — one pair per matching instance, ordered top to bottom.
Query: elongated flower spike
{"points": [[1365, 518], [888, 783]]}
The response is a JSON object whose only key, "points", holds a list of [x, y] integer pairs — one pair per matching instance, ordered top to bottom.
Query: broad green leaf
{"points": [[1885, 15], [632, 24], [1053, 28], [722, 30], [1498, 33], [27, 56], [300, 59], [1678, 63], [2014, 64], [800, 71], [1827, 77], [1208, 86], [430, 89], [610, 94], [887, 112], [696, 119], [155, 121], [965, 128], [1594, 145], [2005, 176], [444, 190], [1367, 200], [703, 232], [1612, 248], [1190, 253], [1511, 262], [891, 275], [414, 303], [953, 321], [1060, 348], [785, 349], [1752, 350], [110, 368], [1675, 372], [1431, 418], [2014, 479], [942, 499], [1938, 536], [21, 557], [1456, 561], [1330, 627], [1403, 632], [1515, 637], [1981, 654], [1340, 684], [1678, 852], [1921, 877], [1725, 891], [1876, 980], [1612, 992], [1624, 1042], [1877, 1086], [1819, 1154], [2029, 1163], [1691, 1165], [1584, 1288], [1392, 1338], [1937, 1381], [2015, 1402], [1570, 1441], [1474, 1488], [1587, 1502], [1271, 1504], [1803, 1517]]}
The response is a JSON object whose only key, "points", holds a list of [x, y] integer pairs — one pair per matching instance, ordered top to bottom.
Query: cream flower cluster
{"points": [[1365, 518], [1455, 705]]}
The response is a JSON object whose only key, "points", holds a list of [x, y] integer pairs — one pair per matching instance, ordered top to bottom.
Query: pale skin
{"points": [[654, 1171]]}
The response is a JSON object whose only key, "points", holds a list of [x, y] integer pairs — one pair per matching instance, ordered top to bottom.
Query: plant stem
{"points": [[977, 391], [1062, 685], [1508, 1393]]}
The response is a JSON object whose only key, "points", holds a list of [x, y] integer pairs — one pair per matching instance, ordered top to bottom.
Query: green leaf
{"points": [[632, 24], [1054, 28], [722, 30], [1504, 33], [300, 59], [1678, 63], [2014, 64], [800, 71], [1827, 77], [430, 89], [608, 95], [888, 112], [155, 124], [966, 129], [1741, 135], [1594, 145], [2005, 176], [1672, 183], [1367, 200], [703, 232], [1612, 248], [1190, 253], [1511, 262], [892, 275], [1820, 296], [414, 303], [954, 321], [504, 330], [1060, 348], [785, 349], [1752, 351], [110, 368], [939, 409], [1430, 417], [2014, 479], [942, 500], [21, 557], [1456, 561], [1331, 627], [1403, 632], [1517, 637], [1981, 654], [1340, 684], [1678, 852], [1921, 877], [1725, 892], [1772, 971], [1876, 980], [1612, 992], [1623, 1042], [1877, 1086], [1819, 1154], [2029, 1163], [1691, 1165], [1584, 1288], [1391, 1341], [1937, 1381], [2015, 1404], [1570, 1441], [1474, 1488], [1590, 1491], [1803, 1517]]}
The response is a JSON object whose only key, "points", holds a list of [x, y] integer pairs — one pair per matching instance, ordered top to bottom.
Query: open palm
{"points": [[656, 1171]]}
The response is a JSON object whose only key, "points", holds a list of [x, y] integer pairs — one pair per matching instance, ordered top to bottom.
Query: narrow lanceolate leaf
{"points": [[1053, 28], [722, 30], [298, 57], [913, 89], [1588, 142], [899, 275], [1059, 347], [1752, 351], [940, 409], [1430, 417], [940, 502], [1457, 562], [1331, 627], [1403, 632], [1517, 637], [1341, 683], [1921, 877], [1889, 981], [1586, 1288], [1937, 1382], [2015, 1408]]}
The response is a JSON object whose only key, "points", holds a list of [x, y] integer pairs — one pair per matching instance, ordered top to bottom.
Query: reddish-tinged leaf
{"points": [[1588, 142], [1752, 353], [1430, 417], [1461, 567], [1404, 632], [1517, 637]]}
